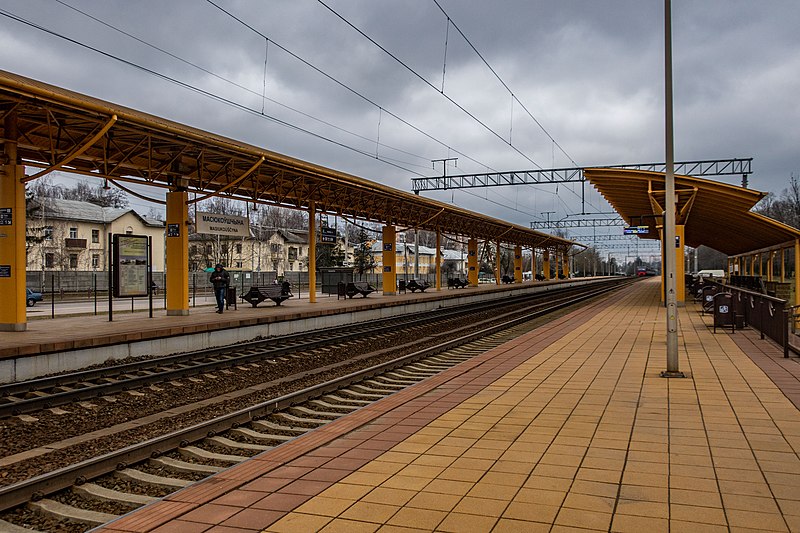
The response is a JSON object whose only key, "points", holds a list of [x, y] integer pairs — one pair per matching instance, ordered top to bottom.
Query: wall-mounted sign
{"points": [[6, 216], [215, 224], [173, 230], [636, 230], [328, 235], [387, 247], [472, 253], [130, 257], [387, 269], [5, 271]]}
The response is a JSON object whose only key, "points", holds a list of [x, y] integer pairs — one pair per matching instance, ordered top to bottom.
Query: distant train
{"points": [[645, 271]]}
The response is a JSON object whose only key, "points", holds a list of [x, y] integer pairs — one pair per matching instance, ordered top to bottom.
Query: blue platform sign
{"points": [[636, 230]]}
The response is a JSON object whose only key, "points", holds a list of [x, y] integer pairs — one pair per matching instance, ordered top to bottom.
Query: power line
{"points": [[496, 75], [426, 82], [344, 85], [203, 92], [261, 95]]}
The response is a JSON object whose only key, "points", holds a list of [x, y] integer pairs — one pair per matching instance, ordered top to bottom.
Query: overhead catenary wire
{"points": [[493, 71], [426, 82], [347, 87]]}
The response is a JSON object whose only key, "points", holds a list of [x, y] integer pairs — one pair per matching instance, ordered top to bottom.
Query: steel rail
{"points": [[199, 363], [60, 479]]}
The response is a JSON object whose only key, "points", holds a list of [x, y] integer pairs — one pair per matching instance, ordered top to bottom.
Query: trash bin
{"points": [[401, 286], [341, 290], [230, 298], [708, 298], [724, 315]]}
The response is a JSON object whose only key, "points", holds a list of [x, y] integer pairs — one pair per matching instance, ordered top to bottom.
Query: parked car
{"points": [[32, 297]]}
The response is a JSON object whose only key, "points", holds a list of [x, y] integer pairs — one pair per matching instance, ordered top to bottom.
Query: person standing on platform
{"points": [[220, 279]]}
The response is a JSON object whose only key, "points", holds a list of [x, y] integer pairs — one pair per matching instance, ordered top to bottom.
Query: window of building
{"points": [[129, 230], [48, 233], [73, 233], [95, 236], [239, 248], [275, 248], [208, 249], [292, 253], [73, 259], [49, 260], [95, 260], [238, 264]]}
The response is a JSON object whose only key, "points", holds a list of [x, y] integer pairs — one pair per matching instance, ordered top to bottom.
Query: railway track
{"points": [[53, 391], [94, 491]]}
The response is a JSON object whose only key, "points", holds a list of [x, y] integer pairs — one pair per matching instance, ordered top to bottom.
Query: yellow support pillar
{"points": [[177, 249], [312, 252], [438, 260], [389, 261], [472, 262], [518, 264], [546, 264], [497, 265], [565, 265], [680, 265], [770, 265], [783, 265], [796, 272], [13, 316]]}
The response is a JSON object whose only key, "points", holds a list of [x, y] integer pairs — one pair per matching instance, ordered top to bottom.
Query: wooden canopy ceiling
{"points": [[59, 129], [714, 214]]}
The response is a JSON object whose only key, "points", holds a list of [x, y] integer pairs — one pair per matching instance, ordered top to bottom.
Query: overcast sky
{"points": [[590, 72]]}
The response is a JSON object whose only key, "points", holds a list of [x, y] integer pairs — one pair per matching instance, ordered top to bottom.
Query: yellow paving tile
{"points": [[389, 496], [434, 501], [324, 506], [369, 512], [418, 518], [293, 522], [637, 524], [349, 526]]}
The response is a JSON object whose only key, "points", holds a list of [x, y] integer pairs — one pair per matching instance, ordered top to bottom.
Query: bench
{"points": [[539, 277], [507, 279], [456, 283], [417, 285], [359, 287], [276, 293]]}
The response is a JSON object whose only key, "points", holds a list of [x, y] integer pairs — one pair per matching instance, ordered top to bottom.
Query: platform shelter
{"points": [[47, 128], [709, 213]]}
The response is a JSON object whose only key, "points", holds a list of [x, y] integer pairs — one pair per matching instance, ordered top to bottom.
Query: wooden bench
{"points": [[507, 279], [456, 283], [417, 285], [359, 287], [276, 293]]}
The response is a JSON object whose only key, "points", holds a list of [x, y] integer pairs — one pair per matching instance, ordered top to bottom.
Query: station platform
{"points": [[73, 343], [566, 428]]}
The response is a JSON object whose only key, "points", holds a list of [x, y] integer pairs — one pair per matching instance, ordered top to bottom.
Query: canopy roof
{"points": [[61, 129], [714, 214]]}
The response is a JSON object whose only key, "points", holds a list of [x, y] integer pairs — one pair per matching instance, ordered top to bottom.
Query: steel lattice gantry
{"points": [[715, 167]]}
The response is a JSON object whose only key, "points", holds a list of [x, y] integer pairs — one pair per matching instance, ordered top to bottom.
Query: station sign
{"points": [[215, 224], [636, 230], [327, 235]]}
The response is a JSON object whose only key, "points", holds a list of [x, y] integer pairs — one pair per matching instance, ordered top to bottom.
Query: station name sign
{"points": [[215, 224], [636, 230]]}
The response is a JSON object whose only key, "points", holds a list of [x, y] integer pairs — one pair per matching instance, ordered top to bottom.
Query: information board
{"points": [[6, 216], [636, 230], [328, 235], [130, 265]]}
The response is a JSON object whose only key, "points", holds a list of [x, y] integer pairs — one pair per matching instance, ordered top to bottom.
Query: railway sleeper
{"points": [[384, 380], [388, 387], [369, 390], [363, 395], [340, 399], [326, 405], [322, 414], [298, 420], [266, 424], [245, 432], [236, 445], [205, 455], [184, 467], [130, 474], [95, 492], [59, 511]]}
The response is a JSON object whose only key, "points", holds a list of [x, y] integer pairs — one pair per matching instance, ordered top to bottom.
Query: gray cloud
{"points": [[590, 71]]}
